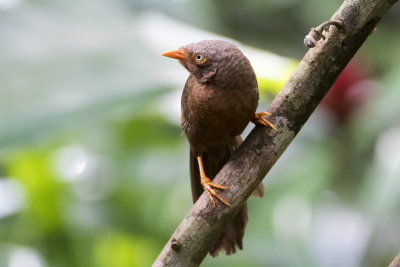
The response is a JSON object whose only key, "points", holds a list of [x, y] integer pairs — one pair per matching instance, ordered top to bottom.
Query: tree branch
{"points": [[291, 108], [396, 261]]}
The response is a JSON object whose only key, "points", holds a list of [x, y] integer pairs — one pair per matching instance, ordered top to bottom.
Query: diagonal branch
{"points": [[291, 108], [396, 261]]}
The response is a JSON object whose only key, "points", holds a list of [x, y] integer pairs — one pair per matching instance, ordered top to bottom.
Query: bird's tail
{"points": [[213, 162]]}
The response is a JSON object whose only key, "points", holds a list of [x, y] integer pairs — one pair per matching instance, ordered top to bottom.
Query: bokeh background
{"points": [[94, 171]]}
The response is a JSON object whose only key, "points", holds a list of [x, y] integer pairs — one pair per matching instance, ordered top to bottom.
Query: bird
{"points": [[218, 101]]}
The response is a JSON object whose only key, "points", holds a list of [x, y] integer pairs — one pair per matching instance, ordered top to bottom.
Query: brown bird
{"points": [[219, 99]]}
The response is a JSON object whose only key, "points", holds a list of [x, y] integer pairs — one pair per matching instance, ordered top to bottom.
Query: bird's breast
{"points": [[214, 113]]}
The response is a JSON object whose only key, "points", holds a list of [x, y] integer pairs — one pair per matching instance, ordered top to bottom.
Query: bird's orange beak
{"points": [[179, 54]]}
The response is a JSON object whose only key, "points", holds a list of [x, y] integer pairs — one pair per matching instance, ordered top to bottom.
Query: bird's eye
{"points": [[199, 58]]}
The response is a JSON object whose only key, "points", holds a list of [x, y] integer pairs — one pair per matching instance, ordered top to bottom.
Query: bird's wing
{"points": [[185, 104], [184, 125]]}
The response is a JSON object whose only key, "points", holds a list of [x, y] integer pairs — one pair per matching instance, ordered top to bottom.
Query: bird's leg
{"points": [[258, 119], [208, 185]]}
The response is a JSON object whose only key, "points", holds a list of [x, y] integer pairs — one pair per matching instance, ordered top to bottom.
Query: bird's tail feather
{"points": [[213, 162]]}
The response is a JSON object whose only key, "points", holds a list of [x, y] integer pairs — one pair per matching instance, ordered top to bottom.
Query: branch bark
{"points": [[291, 108], [396, 261]]}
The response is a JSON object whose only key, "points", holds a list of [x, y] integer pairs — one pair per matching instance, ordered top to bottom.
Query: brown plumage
{"points": [[219, 99]]}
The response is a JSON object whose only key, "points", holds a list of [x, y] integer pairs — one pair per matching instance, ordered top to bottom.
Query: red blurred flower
{"points": [[349, 92]]}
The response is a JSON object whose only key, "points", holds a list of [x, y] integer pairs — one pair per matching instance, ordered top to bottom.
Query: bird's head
{"points": [[213, 61]]}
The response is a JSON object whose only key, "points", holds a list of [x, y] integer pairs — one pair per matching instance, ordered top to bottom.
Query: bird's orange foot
{"points": [[258, 119], [208, 186]]}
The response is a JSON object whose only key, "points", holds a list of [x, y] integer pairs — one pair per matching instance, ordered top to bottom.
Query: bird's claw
{"points": [[258, 119], [208, 186]]}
